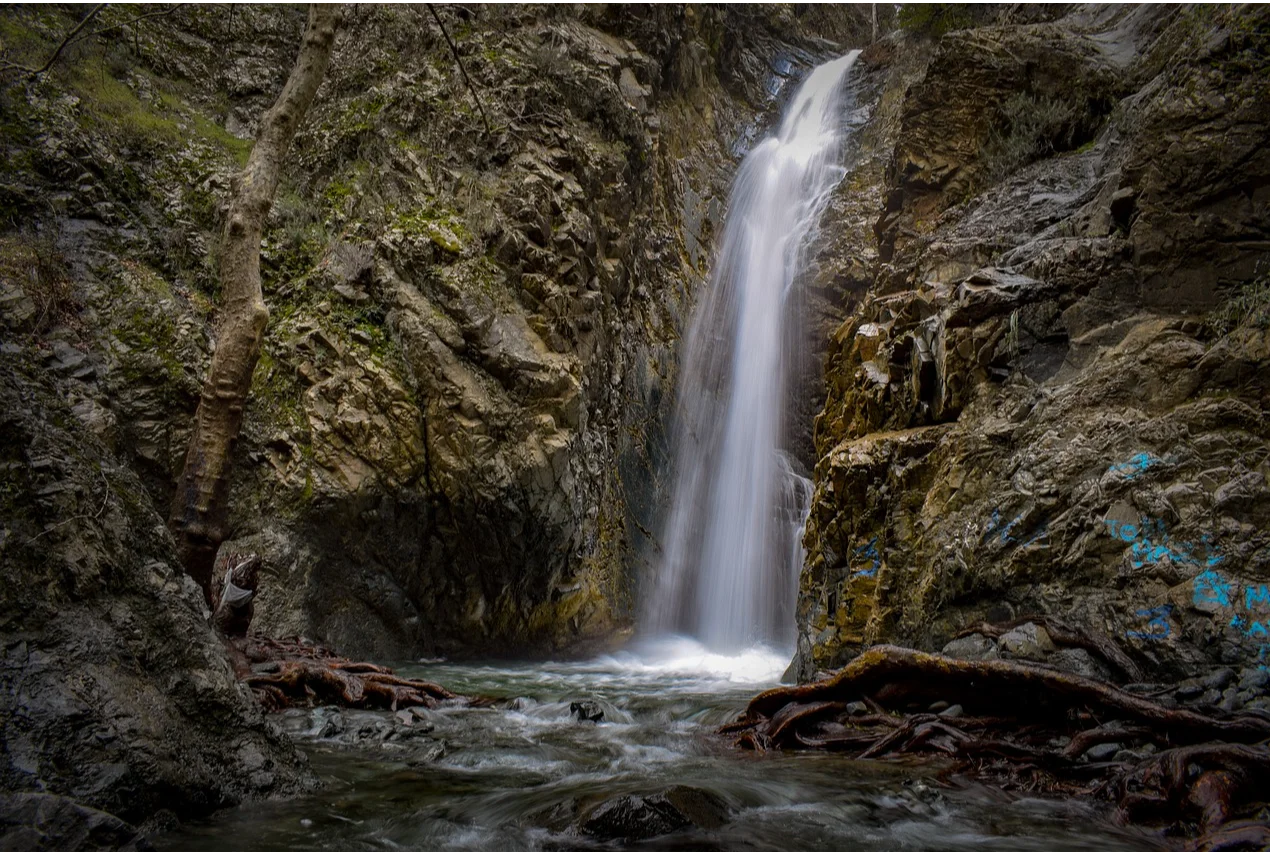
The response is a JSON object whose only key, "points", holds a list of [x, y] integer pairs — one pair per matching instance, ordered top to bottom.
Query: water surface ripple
{"points": [[481, 776]]}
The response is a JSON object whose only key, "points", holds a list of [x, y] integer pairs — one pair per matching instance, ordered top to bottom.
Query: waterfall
{"points": [[733, 538]]}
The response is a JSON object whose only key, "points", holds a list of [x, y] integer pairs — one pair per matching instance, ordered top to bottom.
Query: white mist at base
{"points": [[733, 538], [683, 655]]}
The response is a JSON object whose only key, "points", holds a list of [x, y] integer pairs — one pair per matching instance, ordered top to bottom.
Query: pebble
{"points": [[1220, 679], [1255, 680], [1189, 689], [1230, 701], [938, 706], [856, 708], [953, 712], [1104, 751]]}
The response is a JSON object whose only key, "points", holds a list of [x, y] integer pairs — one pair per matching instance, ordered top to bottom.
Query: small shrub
{"points": [[932, 20], [1028, 128], [32, 267], [1249, 307]]}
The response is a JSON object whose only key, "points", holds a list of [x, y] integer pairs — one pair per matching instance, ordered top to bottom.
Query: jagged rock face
{"points": [[1052, 397], [454, 438], [114, 691]]}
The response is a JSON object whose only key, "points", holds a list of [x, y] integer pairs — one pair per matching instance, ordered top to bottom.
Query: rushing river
{"points": [[484, 778]]}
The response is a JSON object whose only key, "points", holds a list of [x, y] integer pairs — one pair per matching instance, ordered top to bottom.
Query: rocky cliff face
{"points": [[1050, 396], [454, 440], [114, 692]]}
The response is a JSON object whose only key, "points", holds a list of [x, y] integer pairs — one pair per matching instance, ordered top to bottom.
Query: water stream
{"points": [[733, 538], [488, 779]]}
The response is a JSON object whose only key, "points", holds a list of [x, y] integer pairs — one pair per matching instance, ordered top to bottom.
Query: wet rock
{"points": [[1027, 642], [976, 646], [1078, 661], [1255, 681], [1189, 690], [1210, 698], [1231, 701], [1261, 705], [937, 707], [857, 708], [586, 711], [953, 712], [166, 726], [1103, 751], [634, 818], [41, 821]]}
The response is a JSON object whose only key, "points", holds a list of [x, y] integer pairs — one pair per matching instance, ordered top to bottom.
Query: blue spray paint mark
{"points": [[1135, 466], [1042, 533], [1005, 536], [1151, 544], [869, 551], [1211, 588], [1256, 595], [1157, 626]]}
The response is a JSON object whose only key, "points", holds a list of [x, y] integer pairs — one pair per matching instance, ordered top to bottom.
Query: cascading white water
{"points": [[733, 541]]}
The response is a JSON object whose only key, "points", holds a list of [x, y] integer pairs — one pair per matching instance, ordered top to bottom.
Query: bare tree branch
{"points": [[454, 50], [35, 72]]}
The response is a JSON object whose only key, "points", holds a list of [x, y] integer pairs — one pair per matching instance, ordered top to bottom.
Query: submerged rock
{"points": [[586, 711], [632, 818]]}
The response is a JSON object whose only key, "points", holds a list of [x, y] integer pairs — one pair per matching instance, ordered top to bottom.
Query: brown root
{"points": [[289, 672], [1028, 728]]}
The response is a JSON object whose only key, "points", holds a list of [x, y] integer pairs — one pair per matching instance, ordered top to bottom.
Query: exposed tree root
{"points": [[287, 672], [1030, 729]]}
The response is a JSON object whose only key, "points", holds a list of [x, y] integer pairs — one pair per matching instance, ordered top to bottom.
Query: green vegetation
{"points": [[932, 20], [1028, 128], [445, 228], [1248, 307]]}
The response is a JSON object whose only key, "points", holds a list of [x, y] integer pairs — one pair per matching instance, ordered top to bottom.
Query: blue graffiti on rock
{"points": [[1135, 466], [1004, 533], [1151, 544], [869, 552], [1212, 589], [1157, 625]]}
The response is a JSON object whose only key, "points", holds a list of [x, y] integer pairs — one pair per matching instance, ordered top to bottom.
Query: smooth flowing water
{"points": [[733, 545], [489, 779]]}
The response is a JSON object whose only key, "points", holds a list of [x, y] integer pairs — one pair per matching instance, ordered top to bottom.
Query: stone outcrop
{"points": [[1051, 396], [115, 692]]}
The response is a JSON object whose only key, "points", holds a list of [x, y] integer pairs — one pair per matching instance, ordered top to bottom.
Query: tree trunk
{"points": [[200, 507]]}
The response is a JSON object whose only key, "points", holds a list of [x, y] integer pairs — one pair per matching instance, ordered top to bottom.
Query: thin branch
{"points": [[131, 21], [77, 35], [462, 70], [35, 72], [105, 498]]}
